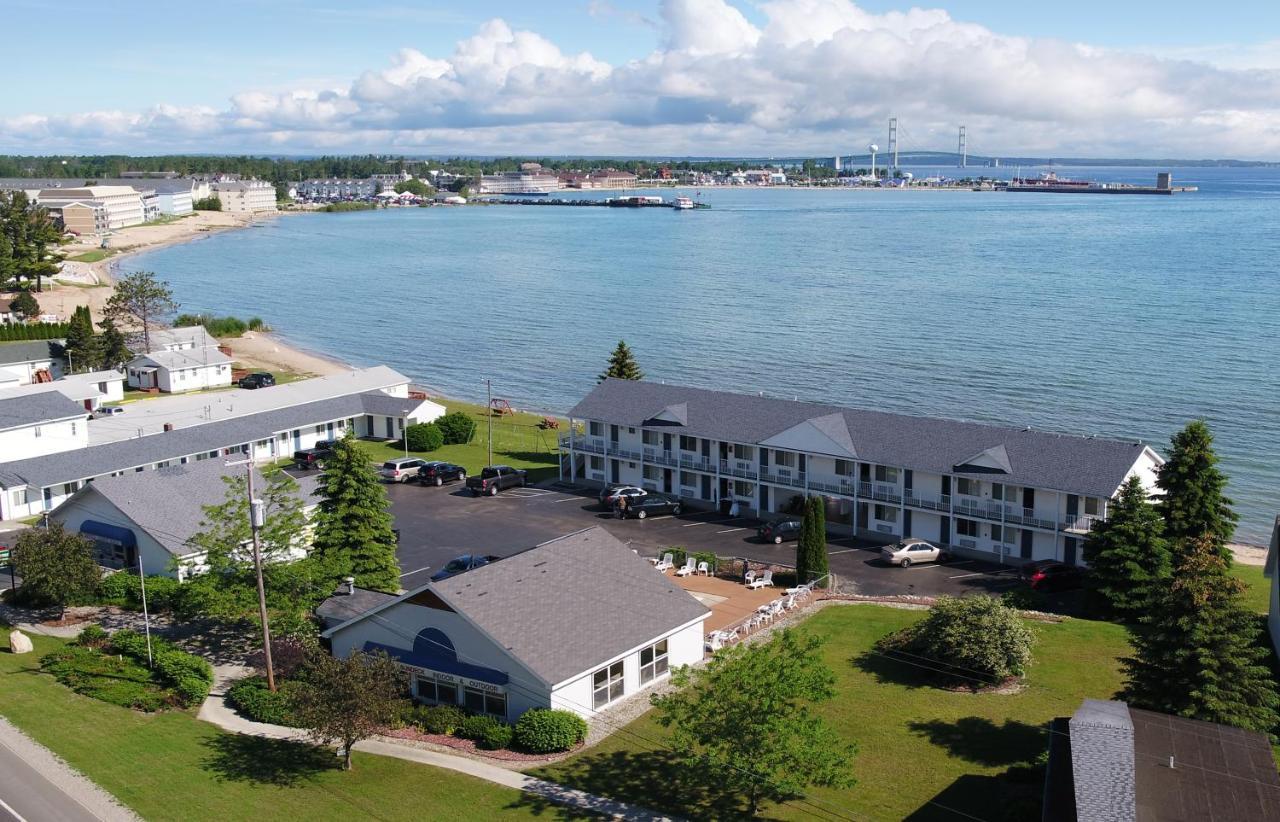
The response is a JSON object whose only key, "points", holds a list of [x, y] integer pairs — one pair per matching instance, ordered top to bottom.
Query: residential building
{"points": [[597, 179], [391, 180], [519, 182], [337, 189], [246, 196], [109, 207], [185, 338], [32, 361], [176, 371], [90, 390], [40, 422], [39, 472], [1012, 494], [150, 517], [1272, 573], [576, 623], [1111, 762]]}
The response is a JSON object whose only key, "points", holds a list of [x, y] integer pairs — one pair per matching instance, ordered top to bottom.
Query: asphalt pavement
{"points": [[26, 794]]}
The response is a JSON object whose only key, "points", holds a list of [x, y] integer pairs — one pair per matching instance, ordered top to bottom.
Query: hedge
{"points": [[16, 332], [458, 428], [423, 436], [123, 588], [251, 698], [439, 719], [475, 727], [546, 731], [495, 738]]}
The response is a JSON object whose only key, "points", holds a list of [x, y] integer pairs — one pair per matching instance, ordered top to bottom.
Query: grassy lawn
{"points": [[93, 256], [517, 441], [1258, 595], [916, 744], [172, 766]]}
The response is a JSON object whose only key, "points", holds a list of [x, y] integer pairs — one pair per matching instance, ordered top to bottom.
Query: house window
{"points": [[319, 429], [595, 429], [688, 443], [743, 452], [886, 474], [968, 487], [68, 488], [20, 497], [1091, 506], [886, 513], [966, 527], [653, 662], [606, 685], [431, 689], [483, 702]]}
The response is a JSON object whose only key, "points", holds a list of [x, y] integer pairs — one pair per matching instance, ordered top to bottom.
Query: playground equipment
{"points": [[500, 408]]}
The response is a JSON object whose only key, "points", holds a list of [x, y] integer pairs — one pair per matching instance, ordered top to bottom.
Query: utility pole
{"points": [[489, 386], [256, 521], [146, 617]]}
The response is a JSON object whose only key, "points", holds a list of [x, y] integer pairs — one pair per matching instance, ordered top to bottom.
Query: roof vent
{"points": [[168, 426]]}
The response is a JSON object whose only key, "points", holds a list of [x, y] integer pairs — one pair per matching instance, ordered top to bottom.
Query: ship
{"points": [[682, 203]]}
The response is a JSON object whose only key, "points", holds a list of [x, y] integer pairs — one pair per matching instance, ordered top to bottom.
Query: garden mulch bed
{"points": [[468, 746]]}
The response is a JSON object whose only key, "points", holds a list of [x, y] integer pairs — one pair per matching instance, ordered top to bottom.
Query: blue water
{"points": [[1112, 315]]}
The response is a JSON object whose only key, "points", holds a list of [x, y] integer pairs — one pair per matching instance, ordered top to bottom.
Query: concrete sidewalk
{"points": [[216, 711]]}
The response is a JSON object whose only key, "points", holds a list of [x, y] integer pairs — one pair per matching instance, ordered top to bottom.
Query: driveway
{"points": [[439, 523]]}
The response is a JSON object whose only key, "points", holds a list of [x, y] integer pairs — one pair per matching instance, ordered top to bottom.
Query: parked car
{"points": [[258, 379], [108, 411], [316, 457], [401, 469], [438, 473], [495, 478], [609, 494], [651, 505], [784, 530], [910, 551], [458, 565], [1049, 575]]}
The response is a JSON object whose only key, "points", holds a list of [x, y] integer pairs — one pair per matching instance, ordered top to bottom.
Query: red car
{"points": [[1050, 575]]}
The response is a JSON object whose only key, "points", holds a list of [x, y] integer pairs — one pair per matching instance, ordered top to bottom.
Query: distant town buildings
{"points": [[519, 182], [336, 189], [246, 196], [94, 209]]}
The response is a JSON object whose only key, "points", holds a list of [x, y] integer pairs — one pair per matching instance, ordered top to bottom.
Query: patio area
{"points": [[730, 602]]}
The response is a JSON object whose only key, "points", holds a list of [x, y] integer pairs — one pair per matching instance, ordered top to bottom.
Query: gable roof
{"points": [[184, 335], [16, 353], [186, 358], [27, 409], [1073, 464], [168, 503], [565, 606]]}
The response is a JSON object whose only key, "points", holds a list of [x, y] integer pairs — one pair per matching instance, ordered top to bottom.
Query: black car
{"points": [[258, 379], [309, 458], [438, 473], [609, 494], [651, 505], [784, 530], [458, 565], [1050, 575]]}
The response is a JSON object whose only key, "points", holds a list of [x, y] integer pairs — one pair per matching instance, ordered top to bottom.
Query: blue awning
{"points": [[112, 532], [442, 662]]}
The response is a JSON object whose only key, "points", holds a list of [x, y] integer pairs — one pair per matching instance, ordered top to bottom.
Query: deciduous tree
{"points": [[142, 301], [622, 364], [1194, 503], [352, 521], [1127, 553], [55, 566], [976, 639], [1198, 652], [347, 700], [747, 717]]}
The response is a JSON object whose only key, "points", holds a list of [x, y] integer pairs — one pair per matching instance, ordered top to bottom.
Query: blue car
{"points": [[461, 564]]}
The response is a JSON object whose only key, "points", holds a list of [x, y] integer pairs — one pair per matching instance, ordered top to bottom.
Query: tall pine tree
{"points": [[82, 345], [111, 349], [622, 364], [1194, 503], [352, 523], [811, 548], [1127, 553], [1198, 653]]}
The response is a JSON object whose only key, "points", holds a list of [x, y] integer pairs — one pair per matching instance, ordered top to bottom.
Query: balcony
{"points": [[583, 446], [616, 450], [660, 457], [696, 463], [737, 468], [788, 478], [833, 485], [878, 492], [930, 502], [980, 509], [1026, 516], [1081, 525]]}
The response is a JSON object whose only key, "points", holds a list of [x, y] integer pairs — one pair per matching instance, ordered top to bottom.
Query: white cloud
{"points": [[815, 77]]}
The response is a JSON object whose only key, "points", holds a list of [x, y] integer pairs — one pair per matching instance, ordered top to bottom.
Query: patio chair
{"points": [[666, 562], [704, 568], [686, 569], [749, 576], [761, 581], [799, 590], [792, 602], [714, 642]]}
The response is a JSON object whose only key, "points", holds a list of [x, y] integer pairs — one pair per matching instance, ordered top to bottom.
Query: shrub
{"points": [[208, 204], [257, 324], [458, 428], [424, 436], [116, 588], [123, 588], [161, 592], [92, 636], [980, 640], [189, 676], [119, 681], [251, 698], [440, 719], [475, 727], [546, 731], [495, 738]]}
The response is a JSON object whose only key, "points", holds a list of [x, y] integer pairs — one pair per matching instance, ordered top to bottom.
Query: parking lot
{"points": [[439, 523]]}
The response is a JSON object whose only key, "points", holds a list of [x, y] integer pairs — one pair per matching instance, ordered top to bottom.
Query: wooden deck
{"points": [[730, 602]]}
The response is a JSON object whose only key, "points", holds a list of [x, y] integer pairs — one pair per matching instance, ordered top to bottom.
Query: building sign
{"points": [[452, 679]]}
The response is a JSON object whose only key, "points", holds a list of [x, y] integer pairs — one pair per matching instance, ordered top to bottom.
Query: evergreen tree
{"points": [[142, 300], [25, 304], [82, 345], [111, 349], [622, 364], [1194, 504], [352, 523], [811, 548], [1127, 553], [1198, 652]]}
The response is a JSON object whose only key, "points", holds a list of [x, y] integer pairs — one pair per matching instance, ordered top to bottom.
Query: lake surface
{"points": [[1121, 316]]}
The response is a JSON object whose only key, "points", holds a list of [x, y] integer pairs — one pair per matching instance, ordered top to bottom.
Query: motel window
{"points": [[596, 429], [650, 437], [688, 443], [743, 452], [784, 459], [597, 463], [844, 468], [652, 472], [886, 474], [688, 478], [968, 487], [743, 489], [997, 491], [1091, 506], [886, 513], [966, 528], [1005, 534], [653, 662], [606, 685], [431, 689], [485, 702]]}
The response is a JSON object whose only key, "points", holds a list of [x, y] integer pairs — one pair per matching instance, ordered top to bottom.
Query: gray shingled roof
{"points": [[12, 353], [390, 406], [32, 409], [97, 460], [1073, 464], [168, 503], [570, 604], [340, 607]]}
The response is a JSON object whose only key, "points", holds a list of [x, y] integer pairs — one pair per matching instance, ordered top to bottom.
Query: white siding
{"points": [[45, 438]]}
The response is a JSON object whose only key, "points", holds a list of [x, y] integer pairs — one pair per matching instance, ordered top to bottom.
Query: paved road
{"points": [[439, 523], [25, 794]]}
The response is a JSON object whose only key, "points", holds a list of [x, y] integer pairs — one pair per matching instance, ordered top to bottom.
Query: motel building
{"points": [[1009, 494], [578, 623]]}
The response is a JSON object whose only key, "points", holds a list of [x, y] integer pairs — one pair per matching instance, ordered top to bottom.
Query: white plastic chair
{"points": [[665, 562], [688, 568], [704, 568], [760, 582]]}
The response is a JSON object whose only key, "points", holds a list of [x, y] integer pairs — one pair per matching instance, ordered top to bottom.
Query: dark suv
{"points": [[258, 379], [314, 457], [438, 473], [651, 505], [784, 530], [1050, 575]]}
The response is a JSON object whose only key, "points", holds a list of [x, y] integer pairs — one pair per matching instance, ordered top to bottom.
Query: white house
{"points": [[186, 338], [32, 361], [176, 371], [40, 422], [1012, 494], [152, 516], [1272, 573], [576, 623]]}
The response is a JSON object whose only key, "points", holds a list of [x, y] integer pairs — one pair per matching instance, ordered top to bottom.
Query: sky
{"points": [[1088, 78]]}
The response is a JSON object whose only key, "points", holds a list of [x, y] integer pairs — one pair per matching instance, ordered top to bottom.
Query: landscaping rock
{"points": [[20, 643]]}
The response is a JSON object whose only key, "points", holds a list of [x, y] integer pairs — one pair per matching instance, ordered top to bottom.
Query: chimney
{"points": [[168, 426], [348, 586], [1102, 760]]}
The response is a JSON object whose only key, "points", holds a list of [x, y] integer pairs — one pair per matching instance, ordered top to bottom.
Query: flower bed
{"points": [[115, 669], [468, 746]]}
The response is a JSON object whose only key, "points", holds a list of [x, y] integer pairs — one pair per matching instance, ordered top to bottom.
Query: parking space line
{"points": [[566, 499], [664, 516], [694, 524], [730, 530], [843, 551], [410, 573]]}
